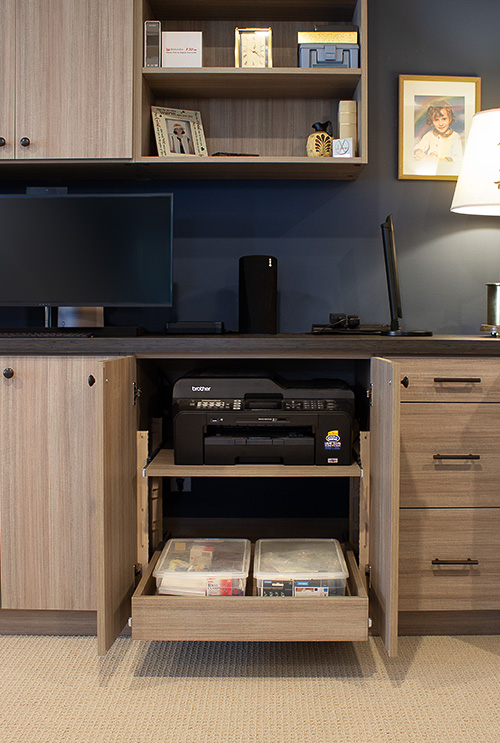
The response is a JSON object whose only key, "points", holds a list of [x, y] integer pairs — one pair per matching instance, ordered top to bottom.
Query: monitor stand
{"points": [[78, 317], [396, 331], [402, 333]]}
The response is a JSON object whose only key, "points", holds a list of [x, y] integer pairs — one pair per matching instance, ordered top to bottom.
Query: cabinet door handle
{"points": [[3, 141], [24, 142], [8, 373], [459, 380], [405, 382], [457, 456], [468, 561]]}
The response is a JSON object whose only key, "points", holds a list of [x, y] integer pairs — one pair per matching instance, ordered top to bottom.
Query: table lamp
{"points": [[478, 189]]}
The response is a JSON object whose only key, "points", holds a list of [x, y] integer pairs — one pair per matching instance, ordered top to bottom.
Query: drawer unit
{"points": [[448, 380], [450, 455], [449, 517], [449, 559], [250, 618]]}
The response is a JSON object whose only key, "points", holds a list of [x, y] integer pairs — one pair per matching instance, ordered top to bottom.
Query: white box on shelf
{"points": [[181, 48], [343, 147]]}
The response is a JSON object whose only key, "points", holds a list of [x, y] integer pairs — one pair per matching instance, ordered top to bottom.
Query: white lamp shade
{"points": [[477, 190]]}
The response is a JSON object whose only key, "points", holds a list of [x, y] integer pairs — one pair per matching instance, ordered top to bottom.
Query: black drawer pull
{"points": [[463, 380], [457, 456], [468, 561]]}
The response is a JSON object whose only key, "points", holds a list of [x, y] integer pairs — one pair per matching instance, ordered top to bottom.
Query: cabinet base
{"points": [[42, 622], [449, 622]]}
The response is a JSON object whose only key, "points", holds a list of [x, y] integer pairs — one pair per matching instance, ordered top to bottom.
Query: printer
{"points": [[261, 420]]}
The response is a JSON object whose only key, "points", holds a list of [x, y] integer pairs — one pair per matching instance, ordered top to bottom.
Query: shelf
{"points": [[329, 10], [227, 82], [267, 112], [250, 168], [163, 466]]}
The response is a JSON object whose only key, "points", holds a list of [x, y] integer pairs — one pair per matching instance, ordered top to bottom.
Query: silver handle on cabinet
{"points": [[459, 380], [457, 456], [468, 561]]}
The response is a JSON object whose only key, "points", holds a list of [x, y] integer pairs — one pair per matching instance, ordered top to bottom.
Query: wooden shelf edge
{"points": [[253, 168], [163, 466]]}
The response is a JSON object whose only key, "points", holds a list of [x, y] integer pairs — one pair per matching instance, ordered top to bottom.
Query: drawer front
{"points": [[456, 379], [450, 455], [449, 559], [250, 618]]}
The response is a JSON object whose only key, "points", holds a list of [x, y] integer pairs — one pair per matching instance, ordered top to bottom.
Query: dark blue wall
{"points": [[326, 235]]}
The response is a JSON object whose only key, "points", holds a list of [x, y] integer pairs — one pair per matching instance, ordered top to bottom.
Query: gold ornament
{"points": [[319, 143]]}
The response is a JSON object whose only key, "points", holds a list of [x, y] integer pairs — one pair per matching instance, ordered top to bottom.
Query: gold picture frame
{"points": [[253, 47], [435, 114], [178, 132]]}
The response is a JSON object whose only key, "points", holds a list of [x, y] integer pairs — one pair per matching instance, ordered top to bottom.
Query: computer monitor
{"points": [[86, 250], [393, 290]]}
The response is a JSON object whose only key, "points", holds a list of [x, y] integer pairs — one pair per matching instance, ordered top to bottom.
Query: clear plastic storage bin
{"points": [[203, 567], [300, 567]]}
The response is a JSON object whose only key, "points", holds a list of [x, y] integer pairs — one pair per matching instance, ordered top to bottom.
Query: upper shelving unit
{"points": [[263, 114]]}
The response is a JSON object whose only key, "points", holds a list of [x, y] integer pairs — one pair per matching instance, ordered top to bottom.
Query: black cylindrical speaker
{"points": [[258, 294]]}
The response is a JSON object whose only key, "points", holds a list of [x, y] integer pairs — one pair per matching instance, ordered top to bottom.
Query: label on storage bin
{"points": [[223, 587], [277, 588], [310, 588]]}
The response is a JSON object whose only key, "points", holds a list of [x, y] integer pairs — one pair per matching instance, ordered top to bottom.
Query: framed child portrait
{"points": [[435, 115], [178, 132]]}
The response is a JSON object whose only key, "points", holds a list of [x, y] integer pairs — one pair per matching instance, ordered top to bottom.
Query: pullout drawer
{"points": [[447, 380], [449, 455], [449, 559], [250, 618]]}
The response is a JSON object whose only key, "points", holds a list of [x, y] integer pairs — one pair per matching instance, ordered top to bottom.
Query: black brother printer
{"points": [[261, 420]]}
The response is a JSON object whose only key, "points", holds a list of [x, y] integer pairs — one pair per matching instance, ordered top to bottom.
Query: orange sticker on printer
{"points": [[332, 440]]}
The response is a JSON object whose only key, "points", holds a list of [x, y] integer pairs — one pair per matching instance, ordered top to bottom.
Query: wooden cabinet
{"points": [[66, 79], [265, 112], [449, 474], [67, 497], [72, 526], [252, 618]]}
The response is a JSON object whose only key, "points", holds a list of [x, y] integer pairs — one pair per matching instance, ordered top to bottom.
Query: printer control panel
{"points": [[216, 404], [239, 404], [309, 405]]}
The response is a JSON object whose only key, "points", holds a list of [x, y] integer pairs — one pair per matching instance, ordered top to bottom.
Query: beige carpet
{"points": [[439, 690]]}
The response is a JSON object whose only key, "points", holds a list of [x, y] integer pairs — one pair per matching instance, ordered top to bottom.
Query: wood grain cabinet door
{"points": [[73, 74], [7, 78], [49, 436], [450, 455], [449, 559]]}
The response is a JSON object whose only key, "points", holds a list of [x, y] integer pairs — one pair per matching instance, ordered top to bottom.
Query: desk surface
{"points": [[233, 345]]}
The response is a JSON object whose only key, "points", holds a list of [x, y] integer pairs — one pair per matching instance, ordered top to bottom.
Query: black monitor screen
{"points": [[106, 250]]}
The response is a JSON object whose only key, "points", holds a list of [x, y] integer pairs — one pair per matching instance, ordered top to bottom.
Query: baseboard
{"points": [[41, 622], [449, 623]]}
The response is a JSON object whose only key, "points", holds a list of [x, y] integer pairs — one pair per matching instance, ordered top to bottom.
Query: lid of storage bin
{"points": [[194, 558], [301, 559]]}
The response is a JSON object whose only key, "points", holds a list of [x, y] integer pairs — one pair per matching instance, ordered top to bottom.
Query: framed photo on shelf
{"points": [[253, 47], [435, 115], [178, 132]]}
